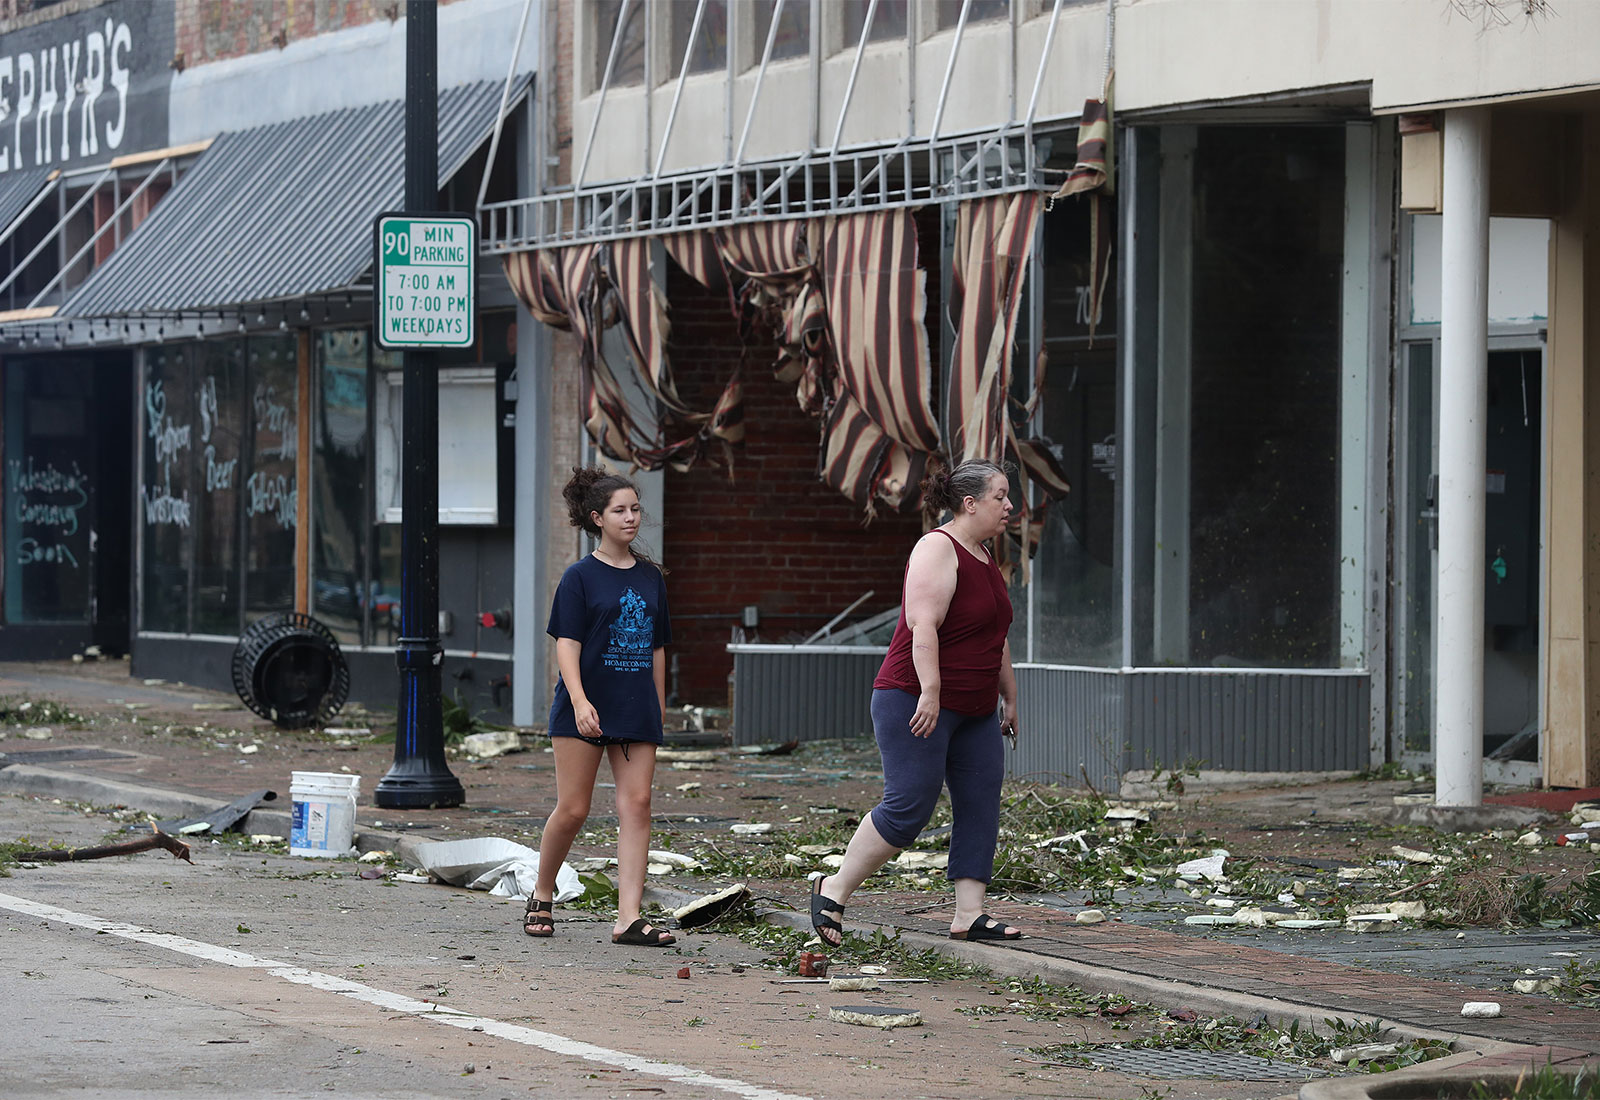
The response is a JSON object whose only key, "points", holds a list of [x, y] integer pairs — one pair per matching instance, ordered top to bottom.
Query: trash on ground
{"points": [[345, 731], [38, 733], [491, 743], [783, 749], [686, 756], [687, 765], [687, 787], [1129, 816], [224, 818], [751, 828], [1581, 837], [1530, 839], [817, 849], [1415, 855], [377, 856], [673, 859], [912, 860], [1208, 867], [504, 868], [409, 876], [704, 910], [1399, 910], [1090, 916], [1211, 918], [1306, 922], [1372, 922], [813, 964], [873, 968], [683, 971], [853, 984], [1536, 985], [1481, 1010], [875, 1016], [1365, 1052]]}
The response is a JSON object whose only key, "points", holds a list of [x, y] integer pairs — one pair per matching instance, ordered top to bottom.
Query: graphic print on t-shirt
{"points": [[631, 636]]}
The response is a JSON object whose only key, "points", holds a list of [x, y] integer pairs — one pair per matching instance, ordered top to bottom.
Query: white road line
{"points": [[398, 1002]]}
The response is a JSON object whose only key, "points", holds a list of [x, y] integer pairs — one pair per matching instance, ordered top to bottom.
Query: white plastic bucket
{"points": [[322, 819]]}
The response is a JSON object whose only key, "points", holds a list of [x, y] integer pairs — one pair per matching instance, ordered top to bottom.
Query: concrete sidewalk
{"points": [[147, 767]]}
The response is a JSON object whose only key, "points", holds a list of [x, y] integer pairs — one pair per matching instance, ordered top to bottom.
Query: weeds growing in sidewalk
{"points": [[18, 711], [1545, 1083]]}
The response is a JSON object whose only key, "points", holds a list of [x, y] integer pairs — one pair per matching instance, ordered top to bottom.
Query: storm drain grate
{"points": [[53, 756], [1224, 1065]]}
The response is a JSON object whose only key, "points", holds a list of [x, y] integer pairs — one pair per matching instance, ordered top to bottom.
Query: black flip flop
{"points": [[821, 905], [986, 928], [635, 935]]}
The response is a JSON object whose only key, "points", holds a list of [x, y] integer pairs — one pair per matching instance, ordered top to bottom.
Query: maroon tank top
{"points": [[971, 639]]}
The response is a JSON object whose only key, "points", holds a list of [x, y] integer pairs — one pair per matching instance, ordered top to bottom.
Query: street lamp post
{"points": [[419, 777]]}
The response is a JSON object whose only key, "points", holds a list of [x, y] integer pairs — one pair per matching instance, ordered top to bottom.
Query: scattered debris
{"points": [[38, 733], [491, 743], [783, 749], [685, 756], [687, 787], [224, 818], [752, 829], [156, 839], [1530, 839], [375, 856], [673, 859], [913, 860], [502, 867], [1208, 867], [409, 876], [704, 910], [1090, 916], [1212, 918], [813, 964], [683, 971], [852, 984], [1536, 985], [1481, 1010], [875, 1016], [1365, 1052]]}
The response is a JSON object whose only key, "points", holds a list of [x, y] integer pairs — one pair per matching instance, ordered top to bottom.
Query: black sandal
{"points": [[821, 906], [538, 918], [987, 928], [636, 936]]}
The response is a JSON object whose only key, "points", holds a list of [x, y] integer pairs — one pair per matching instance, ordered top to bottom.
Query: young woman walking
{"points": [[609, 620]]}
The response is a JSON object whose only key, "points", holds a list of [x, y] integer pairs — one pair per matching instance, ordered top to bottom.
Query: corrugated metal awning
{"points": [[17, 190], [279, 212]]}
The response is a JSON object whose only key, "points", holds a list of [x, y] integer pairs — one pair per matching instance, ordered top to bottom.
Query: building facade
{"points": [[199, 428], [1327, 499]]}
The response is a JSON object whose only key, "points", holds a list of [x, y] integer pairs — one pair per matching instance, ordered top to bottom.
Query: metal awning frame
{"points": [[915, 171], [345, 306]]}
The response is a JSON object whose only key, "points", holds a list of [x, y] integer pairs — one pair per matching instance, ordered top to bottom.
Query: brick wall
{"points": [[215, 30], [774, 535]]}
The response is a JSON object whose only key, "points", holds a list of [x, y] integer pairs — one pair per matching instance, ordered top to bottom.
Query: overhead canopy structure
{"points": [[17, 191], [279, 212]]}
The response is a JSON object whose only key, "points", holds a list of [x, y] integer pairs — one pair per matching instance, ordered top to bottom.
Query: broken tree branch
{"points": [[157, 839]]}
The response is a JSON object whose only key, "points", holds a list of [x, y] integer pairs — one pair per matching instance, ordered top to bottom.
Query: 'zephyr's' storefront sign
{"points": [[85, 87]]}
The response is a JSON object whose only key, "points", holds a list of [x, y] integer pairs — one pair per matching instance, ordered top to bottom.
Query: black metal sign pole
{"points": [[420, 777]]}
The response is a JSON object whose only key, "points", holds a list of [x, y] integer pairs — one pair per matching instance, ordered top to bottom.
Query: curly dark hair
{"points": [[589, 490]]}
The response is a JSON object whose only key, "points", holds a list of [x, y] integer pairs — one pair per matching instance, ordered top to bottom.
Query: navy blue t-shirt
{"points": [[620, 616]]}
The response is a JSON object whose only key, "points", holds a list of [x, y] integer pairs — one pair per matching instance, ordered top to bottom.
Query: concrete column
{"points": [[1463, 405]]}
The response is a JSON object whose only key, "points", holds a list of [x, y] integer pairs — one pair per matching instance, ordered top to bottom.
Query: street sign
{"points": [[426, 283]]}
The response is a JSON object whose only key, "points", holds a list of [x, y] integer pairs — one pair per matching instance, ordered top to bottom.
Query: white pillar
{"points": [[1463, 405]]}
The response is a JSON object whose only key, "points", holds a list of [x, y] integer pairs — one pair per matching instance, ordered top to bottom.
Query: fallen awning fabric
{"points": [[17, 190], [281, 211]]}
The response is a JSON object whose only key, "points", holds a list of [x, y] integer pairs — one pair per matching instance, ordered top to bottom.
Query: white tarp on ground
{"points": [[503, 867]]}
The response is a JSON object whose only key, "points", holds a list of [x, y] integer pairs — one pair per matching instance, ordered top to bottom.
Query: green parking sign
{"points": [[426, 280]]}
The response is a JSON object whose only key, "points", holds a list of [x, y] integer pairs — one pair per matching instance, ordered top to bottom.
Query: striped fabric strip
{"points": [[1094, 174], [993, 240], [696, 252], [876, 299]]}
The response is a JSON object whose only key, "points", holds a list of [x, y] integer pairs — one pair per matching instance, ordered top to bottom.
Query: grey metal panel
{"points": [[17, 190], [280, 211], [803, 694], [1249, 721], [1079, 723], [1071, 727]]}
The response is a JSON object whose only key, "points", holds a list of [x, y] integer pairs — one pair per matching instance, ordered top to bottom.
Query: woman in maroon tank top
{"points": [[934, 708]]}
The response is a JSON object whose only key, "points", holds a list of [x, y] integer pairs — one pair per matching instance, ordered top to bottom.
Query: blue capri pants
{"points": [[963, 752]]}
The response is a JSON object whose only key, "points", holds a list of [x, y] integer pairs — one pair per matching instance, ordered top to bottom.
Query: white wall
{"points": [[1412, 51]]}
